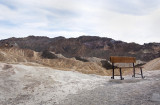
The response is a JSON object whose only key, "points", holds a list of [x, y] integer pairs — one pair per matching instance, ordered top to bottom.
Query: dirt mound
{"points": [[153, 64]]}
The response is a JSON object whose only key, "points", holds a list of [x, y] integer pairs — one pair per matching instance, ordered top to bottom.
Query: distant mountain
{"points": [[86, 46]]}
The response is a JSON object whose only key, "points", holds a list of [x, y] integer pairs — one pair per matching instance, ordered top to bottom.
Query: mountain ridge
{"points": [[86, 46]]}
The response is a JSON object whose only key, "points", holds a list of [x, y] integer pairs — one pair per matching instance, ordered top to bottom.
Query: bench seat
{"points": [[118, 59]]}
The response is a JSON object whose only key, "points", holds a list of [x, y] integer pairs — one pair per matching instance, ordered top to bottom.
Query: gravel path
{"points": [[116, 92]]}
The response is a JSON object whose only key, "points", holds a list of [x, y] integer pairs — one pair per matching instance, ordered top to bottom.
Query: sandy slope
{"points": [[153, 64]]}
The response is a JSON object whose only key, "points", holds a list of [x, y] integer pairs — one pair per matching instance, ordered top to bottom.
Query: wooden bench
{"points": [[118, 59]]}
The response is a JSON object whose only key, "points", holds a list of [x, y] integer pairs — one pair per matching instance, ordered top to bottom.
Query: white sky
{"points": [[127, 20]]}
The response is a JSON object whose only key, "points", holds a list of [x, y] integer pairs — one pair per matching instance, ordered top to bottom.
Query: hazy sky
{"points": [[127, 20]]}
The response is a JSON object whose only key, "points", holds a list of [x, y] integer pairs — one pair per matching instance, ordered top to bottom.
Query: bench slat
{"points": [[117, 59]]}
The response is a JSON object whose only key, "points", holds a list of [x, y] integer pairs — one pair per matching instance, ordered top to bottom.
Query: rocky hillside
{"points": [[86, 46], [50, 59]]}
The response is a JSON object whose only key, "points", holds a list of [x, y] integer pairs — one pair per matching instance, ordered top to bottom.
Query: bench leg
{"points": [[112, 71], [133, 71], [141, 72], [112, 74], [121, 74]]}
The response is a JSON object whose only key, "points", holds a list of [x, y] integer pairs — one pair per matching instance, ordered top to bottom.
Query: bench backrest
{"points": [[118, 59]]}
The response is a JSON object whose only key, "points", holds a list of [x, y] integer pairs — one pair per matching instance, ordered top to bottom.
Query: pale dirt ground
{"points": [[33, 84], [37, 85], [131, 91]]}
